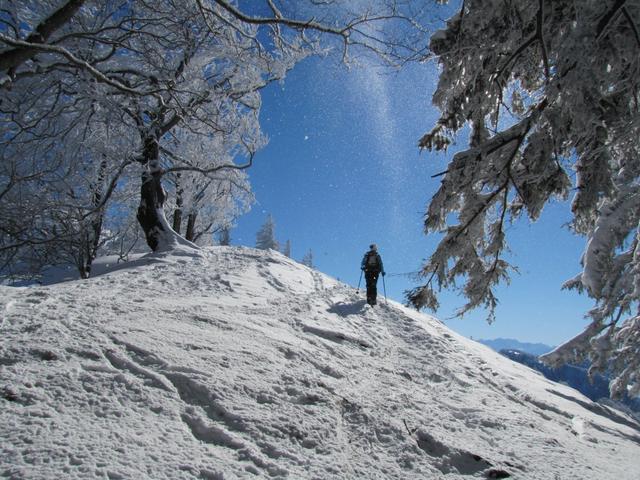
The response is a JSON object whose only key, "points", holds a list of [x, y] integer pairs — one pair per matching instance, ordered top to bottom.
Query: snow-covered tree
{"points": [[195, 65], [188, 76], [550, 91], [61, 161], [203, 204], [224, 236], [266, 237], [287, 249], [308, 259]]}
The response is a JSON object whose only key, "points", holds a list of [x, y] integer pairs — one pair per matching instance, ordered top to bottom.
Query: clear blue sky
{"points": [[342, 170]]}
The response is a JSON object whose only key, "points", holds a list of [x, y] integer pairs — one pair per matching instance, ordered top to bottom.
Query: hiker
{"points": [[372, 267]]}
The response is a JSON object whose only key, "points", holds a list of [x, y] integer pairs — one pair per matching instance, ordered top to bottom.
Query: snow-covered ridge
{"points": [[238, 363]]}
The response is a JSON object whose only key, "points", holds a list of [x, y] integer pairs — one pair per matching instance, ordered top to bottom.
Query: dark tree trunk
{"points": [[152, 197], [177, 214], [177, 220], [191, 226], [84, 262]]}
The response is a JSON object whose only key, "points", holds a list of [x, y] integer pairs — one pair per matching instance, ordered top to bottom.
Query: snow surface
{"points": [[237, 363]]}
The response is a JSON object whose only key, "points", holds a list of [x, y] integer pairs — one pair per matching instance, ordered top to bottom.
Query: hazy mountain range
{"points": [[498, 344]]}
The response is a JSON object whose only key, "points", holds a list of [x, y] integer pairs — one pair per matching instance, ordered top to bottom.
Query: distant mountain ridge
{"points": [[498, 344], [572, 375], [576, 376]]}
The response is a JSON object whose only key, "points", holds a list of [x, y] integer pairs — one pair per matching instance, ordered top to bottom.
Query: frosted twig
{"points": [[97, 74], [411, 432]]}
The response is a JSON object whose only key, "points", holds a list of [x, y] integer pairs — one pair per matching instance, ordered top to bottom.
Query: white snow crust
{"points": [[233, 363]]}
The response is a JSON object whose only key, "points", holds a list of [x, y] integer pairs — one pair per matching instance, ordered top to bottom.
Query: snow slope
{"points": [[239, 363]]}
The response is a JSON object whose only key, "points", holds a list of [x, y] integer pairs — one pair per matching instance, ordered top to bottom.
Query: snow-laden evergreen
{"points": [[550, 91], [266, 236], [287, 249], [308, 259], [234, 363]]}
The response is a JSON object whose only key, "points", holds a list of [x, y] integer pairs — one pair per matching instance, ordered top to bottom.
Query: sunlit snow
{"points": [[237, 363]]}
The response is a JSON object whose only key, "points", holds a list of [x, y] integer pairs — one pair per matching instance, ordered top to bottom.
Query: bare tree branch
{"points": [[609, 17], [13, 58]]}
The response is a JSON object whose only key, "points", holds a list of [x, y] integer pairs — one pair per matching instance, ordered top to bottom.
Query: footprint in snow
{"points": [[449, 459]]}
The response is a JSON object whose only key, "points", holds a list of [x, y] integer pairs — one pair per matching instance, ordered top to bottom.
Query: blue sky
{"points": [[342, 170]]}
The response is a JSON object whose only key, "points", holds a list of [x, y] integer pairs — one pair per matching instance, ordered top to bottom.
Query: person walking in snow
{"points": [[372, 267]]}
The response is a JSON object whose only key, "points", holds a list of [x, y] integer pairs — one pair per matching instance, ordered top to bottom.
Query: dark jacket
{"points": [[375, 264]]}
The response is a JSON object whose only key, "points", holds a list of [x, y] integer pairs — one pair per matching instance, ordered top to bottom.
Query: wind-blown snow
{"points": [[238, 363]]}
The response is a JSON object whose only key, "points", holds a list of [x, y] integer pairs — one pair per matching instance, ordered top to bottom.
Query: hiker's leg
{"points": [[374, 287], [371, 288]]}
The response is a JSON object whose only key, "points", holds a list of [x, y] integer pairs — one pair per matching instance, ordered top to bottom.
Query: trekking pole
{"points": [[359, 280], [385, 290]]}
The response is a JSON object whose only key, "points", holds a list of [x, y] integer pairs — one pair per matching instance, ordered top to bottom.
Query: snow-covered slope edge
{"points": [[238, 363]]}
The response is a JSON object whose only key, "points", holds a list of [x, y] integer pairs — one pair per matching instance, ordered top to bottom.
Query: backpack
{"points": [[372, 262]]}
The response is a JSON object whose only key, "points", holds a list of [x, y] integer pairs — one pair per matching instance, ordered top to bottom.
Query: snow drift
{"points": [[238, 363]]}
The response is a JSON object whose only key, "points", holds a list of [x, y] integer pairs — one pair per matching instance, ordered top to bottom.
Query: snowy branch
{"points": [[12, 58], [97, 74], [573, 104], [187, 167]]}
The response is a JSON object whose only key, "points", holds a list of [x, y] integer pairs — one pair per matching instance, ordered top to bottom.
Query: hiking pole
{"points": [[359, 280], [385, 290]]}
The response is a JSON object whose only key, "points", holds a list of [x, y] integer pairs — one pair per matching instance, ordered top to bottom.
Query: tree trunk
{"points": [[152, 196], [177, 214], [177, 220], [191, 226], [157, 230], [89, 243], [84, 263]]}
